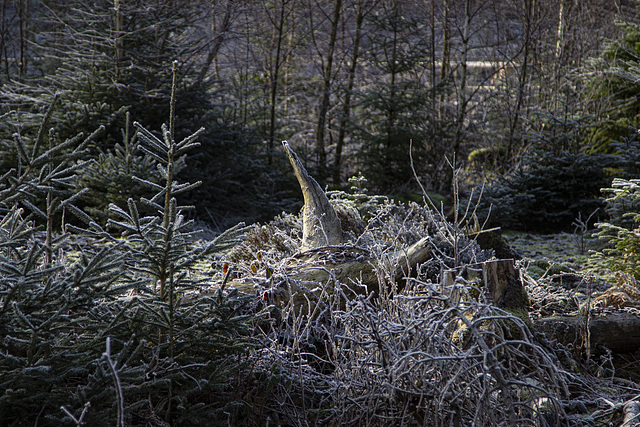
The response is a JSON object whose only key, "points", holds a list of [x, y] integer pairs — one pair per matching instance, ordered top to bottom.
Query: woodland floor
{"points": [[565, 250], [547, 256], [564, 267], [568, 277]]}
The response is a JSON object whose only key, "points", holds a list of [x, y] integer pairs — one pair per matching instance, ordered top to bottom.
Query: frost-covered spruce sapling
{"points": [[111, 176], [623, 228], [50, 281], [195, 342]]}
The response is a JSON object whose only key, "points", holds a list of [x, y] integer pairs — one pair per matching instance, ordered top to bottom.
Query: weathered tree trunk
{"points": [[274, 73], [320, 224], [492, 239]]}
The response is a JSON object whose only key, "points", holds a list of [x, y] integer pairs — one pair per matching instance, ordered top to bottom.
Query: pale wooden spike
{"points": [[320, 224]]}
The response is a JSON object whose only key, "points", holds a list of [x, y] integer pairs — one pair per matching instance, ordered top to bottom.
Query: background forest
{"points": [[352, 85], [124, 124]]}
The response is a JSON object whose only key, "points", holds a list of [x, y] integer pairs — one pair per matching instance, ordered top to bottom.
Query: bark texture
{"points": [[320, 224], [501, 280], [618, 332]]}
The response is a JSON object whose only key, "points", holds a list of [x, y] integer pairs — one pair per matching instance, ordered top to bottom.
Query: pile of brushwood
{"points": [[334, 317]]}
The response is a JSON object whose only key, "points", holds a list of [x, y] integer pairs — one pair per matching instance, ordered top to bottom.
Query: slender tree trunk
{"points": [[563, 11], [278, 30], [560, 30], [219, 33], [119, 35], [22, 36], [3, 37], [446, 42], [287, 65], [523, 76], [434, 77], [462, 89], [326, 95], [346, 106], [391, 112]]}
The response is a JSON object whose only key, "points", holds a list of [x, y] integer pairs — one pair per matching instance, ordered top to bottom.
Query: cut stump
{"points": [[501, 280]]}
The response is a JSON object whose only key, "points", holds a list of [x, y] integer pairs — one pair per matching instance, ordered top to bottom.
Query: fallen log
{"points": [[352, 265], [618, 332]]}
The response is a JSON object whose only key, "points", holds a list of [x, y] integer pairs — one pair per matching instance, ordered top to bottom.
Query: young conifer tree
{"points": [[48, 294], [110, 330], [193, 341]]}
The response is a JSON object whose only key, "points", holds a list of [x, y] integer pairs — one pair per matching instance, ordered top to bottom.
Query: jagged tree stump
{"points": [[320, 223], [325, 256], [501, 280]]}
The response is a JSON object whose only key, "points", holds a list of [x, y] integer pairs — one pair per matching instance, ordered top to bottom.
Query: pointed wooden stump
{"points": [[320, 224]]}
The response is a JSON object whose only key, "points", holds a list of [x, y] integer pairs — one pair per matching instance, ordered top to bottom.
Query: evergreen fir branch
{"points": [[43, 125], [151, 139], [188, 143], [21, 149], [180, 151], [50, 154], [152, 154], [68, 165], [65, 172], [164, 172], [7, 174], [64, 182], [147, 182], [45, 188], [181, 188], [154, 200], [66, 203], [33, 208], [119, 211], [133, 212], [80, 214], [123, 225], [14, 228], [94, 230], [231, 236], [59, 240], [190, 258], [105, 261], [8, 269], [150, 270], [35, 276], [64, 307], [156, 310], [121, 314], [22, 317]]}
